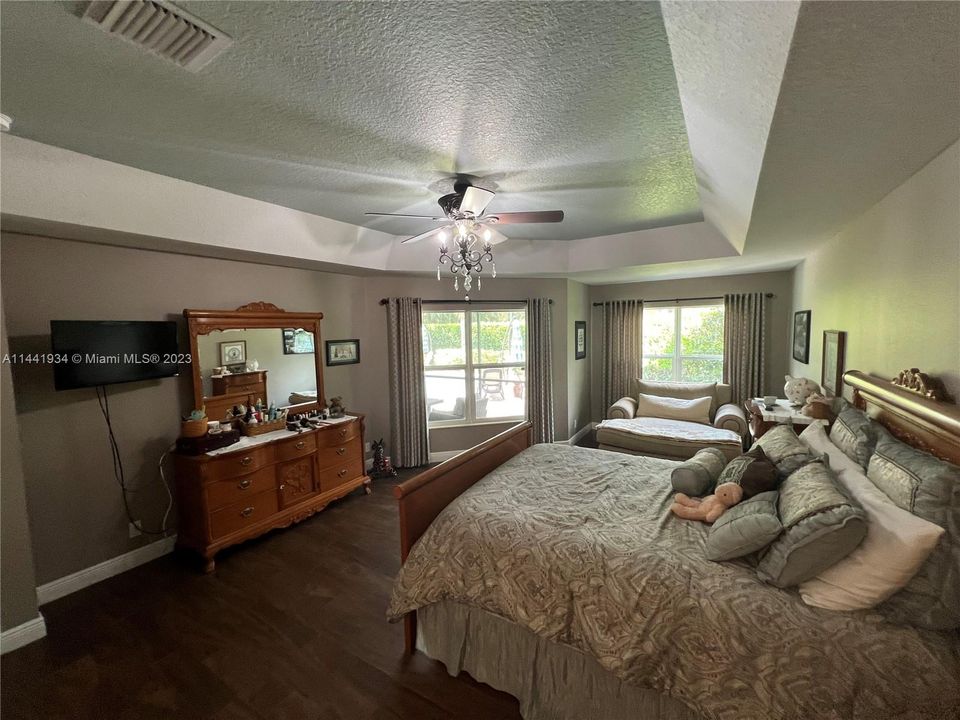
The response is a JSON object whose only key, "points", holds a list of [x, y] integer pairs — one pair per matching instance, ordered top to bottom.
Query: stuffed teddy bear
{"points": [[710, 508]]}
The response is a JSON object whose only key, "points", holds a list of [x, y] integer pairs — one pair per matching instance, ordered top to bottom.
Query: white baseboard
{"points": [[445, 455], [108, 568], [22, 635]]}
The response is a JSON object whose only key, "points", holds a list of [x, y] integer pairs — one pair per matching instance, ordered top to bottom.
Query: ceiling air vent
{"points": [[161, 28]]}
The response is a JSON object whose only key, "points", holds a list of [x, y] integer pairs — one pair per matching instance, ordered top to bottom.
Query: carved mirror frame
{"points": [[253, 315]]}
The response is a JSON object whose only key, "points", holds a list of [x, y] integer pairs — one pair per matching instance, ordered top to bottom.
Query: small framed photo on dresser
{"points": [[831, 374]]}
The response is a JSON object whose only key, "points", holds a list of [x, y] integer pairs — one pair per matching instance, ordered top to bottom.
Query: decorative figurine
{"points": [[797, 390], [336, 407], [381, 466]]}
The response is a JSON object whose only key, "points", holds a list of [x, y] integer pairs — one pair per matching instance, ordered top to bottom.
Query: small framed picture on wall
{"points": [[801, 336], [580, 339], [343, 352], [831, 374]]}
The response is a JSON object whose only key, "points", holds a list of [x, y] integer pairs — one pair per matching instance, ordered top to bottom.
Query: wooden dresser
{"points": [[237, 389], [265, 481], [273, 481]]}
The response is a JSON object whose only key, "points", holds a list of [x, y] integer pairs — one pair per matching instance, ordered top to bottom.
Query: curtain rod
{"points": [[677, 300], [384, 301]]}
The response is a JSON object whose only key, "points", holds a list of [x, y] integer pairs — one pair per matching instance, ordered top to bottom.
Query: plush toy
{"points": [[710, 508]]}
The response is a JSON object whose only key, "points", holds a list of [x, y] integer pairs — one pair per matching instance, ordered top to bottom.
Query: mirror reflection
{"points": [[273, 365]]}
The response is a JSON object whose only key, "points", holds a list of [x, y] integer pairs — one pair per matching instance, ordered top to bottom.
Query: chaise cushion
{"points": [[680, 391], [692, 410], [666, 438]]}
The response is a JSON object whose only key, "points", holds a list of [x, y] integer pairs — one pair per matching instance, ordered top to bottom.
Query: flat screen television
{"points": [[91, 353]]}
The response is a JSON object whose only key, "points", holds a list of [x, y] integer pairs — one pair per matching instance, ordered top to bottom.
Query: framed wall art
{"points": [[801, 336], [343, 352], [831, 374]]}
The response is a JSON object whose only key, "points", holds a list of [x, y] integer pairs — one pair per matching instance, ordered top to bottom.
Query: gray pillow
{"points": [[853, 432], [787, 451], [698, 475], [929, 488], [821, 526], [745, 528]]}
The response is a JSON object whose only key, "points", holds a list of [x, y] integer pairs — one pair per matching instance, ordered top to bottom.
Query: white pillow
{"points": [[696, 410], [896, 545]]}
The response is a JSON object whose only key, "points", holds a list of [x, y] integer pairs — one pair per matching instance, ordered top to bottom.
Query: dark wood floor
{"points": [[290, 626]]}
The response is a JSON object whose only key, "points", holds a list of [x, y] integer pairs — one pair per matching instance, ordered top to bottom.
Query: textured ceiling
{"points": [[336, 108]]}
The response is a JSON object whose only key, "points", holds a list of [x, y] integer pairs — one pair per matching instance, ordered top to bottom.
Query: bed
{"points": [[556, 574]]}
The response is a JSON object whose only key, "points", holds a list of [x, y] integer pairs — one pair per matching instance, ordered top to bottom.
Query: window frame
{"points": [[678, 357], [470, 396]]}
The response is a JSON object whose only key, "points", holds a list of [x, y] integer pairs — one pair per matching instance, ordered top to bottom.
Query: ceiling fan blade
{"points": [[475, 200], [418, 217], [516, 218], [424, 235]]}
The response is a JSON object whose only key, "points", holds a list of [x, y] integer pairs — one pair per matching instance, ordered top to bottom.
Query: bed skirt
{"points": [[552, 681]]}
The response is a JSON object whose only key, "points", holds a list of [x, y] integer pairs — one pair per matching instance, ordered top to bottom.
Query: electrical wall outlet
{"points": [[366, 447], [133, 530]]}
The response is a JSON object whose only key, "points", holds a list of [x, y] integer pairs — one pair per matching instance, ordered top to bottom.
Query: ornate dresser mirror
{"points": [[256, 352]]}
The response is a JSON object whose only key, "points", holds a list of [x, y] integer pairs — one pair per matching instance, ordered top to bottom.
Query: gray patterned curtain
{"points": [[621, 332], [744, 343], [539, 370], [408, 405]]}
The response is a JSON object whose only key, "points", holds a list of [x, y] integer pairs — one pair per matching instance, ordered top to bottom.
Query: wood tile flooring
{"points": [[290, 626]]}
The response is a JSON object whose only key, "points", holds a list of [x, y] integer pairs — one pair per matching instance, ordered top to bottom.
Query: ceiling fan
{"points": [[467, 205], [472, 231]]}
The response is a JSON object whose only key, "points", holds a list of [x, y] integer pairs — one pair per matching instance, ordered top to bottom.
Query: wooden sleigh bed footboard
{"points": [[421, 498]]}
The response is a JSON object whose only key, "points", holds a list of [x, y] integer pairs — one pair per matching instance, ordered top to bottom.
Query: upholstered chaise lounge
{"points": [[625, 430]]}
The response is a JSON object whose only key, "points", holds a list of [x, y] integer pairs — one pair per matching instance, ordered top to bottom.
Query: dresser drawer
{"points": [[247, 389], [337, 435], [298, 446], [339, 454], [240, 463], [339, 474], [224, 492], [239, 515]]}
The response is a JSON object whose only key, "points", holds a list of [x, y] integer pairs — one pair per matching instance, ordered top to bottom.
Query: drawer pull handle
{"points": [[343, 433], [301, 445], [341, 451], [246, 461], [342, 473], [244, 484], [282, 487], [246, 512]]}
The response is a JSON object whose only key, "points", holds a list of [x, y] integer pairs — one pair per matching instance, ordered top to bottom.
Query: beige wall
{"points": [[891, 280], [778, 315], [578, 371], [73, 500], [18, 595]]}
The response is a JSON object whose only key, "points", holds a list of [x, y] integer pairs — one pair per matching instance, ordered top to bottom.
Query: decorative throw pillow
{"points": [[681, 391], [695, 410], [853, 433], [784, 448], [752, 471], [698, 475], [929, 488], [821, 526], [745, 528], [895, 547]]}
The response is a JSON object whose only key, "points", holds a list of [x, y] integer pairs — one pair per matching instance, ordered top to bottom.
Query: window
{"points": [[683, 343], [475, 365]]}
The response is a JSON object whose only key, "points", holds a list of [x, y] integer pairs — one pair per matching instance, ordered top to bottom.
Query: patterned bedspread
{"points": [[579, 546]]}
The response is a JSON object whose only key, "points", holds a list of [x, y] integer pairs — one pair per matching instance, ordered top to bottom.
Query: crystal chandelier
{"points": [[471, 250]]}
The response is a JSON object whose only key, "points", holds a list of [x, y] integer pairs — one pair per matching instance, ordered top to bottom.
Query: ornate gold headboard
{"points": [[914, 407]]}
